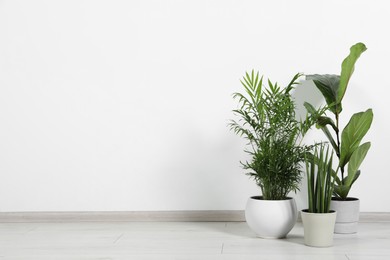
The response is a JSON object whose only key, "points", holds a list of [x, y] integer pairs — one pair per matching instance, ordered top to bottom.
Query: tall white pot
{"points": [[347, 215], [271, 218], [318, 228]]}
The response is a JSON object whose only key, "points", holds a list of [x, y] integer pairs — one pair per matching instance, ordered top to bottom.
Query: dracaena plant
{"points": [[267, 120], [345, 142]]}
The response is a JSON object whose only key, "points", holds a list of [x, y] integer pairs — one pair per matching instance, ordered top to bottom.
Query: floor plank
{"points": [[179, 240]]}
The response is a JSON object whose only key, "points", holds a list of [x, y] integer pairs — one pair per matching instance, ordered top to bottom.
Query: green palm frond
{"points": [[267, 120]]}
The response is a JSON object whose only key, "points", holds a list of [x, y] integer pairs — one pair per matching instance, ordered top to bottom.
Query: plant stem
{"points": [[338, 146]]}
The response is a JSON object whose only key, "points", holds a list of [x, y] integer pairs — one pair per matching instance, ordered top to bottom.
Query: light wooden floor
{"points": [[179, 240]]}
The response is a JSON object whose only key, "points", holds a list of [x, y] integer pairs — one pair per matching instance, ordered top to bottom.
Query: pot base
{"points": [[346, 228]]}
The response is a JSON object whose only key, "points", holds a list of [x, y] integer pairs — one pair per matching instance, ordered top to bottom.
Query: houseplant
{"points": [[267, 121], [348, 147], [319, 220]]}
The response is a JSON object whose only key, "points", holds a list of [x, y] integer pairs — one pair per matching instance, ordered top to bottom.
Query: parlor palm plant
{"points": [[268, 122]]}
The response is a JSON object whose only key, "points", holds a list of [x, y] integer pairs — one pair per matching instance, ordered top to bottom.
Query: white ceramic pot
{"points": [[347, 215], [271, 218], [318, 228]]}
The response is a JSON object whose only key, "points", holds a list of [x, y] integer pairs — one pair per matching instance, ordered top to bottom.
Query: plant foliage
{"points": [[267, 120], [348, 148], [320, 181]]}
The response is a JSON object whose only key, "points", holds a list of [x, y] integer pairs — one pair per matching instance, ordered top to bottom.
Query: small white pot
{"points": [[347, 215], [271, 218], [318, 228]]}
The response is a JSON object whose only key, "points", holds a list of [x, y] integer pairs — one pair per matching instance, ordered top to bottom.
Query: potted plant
{"points": [[267, 121], [347, 146], [319, 220]]}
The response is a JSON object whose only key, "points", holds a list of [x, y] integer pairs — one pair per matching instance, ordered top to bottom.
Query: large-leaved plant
{"points": [[346, 143]]}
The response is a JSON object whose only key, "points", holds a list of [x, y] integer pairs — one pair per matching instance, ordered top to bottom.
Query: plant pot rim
{"points": [[261, 198], [347, 199], [306, 211]]}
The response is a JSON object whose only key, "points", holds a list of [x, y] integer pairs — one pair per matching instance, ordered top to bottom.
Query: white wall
{"points": [[123, 105]]}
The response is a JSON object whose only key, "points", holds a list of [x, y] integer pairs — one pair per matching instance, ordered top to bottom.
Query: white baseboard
{"points": [[123, 216], [144, 216], [374, 217]]}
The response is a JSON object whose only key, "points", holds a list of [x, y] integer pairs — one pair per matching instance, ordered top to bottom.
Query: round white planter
{"points": [[347, 215], [271, 218], [318, 228]]}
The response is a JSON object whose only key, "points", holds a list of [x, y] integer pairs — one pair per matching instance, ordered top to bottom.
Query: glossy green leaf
{"points": [[347, 68], [329, 87], [310, 108], [322, 121], [353, 133], [354, 163], [357, 174], [336, 178], [341, 191]]}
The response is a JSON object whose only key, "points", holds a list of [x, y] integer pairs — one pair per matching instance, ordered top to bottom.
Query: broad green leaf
{"points": [[347, 68], [329, 87], [310, 108], [322, 121], [322, 125], [353, 133], [354, 163], [357, 174], [356, 177], [336, 178], [341, 191]]}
